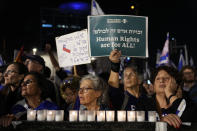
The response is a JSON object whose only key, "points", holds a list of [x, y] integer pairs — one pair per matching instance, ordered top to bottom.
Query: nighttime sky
{"points": [[21, 20]]}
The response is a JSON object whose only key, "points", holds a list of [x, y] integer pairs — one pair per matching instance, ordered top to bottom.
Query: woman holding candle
{"points": [[93, 93], [171, 107]]}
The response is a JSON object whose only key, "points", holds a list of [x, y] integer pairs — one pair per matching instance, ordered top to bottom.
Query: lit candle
{"points": [[31, 115], [41, 115], [50, 115], [59, 115], [73, 115], [82, 115], [90, 115], [130, 115], [100, 116], [109, 116], [121, 116], [140, 116], [151, 116], [161, 126]]}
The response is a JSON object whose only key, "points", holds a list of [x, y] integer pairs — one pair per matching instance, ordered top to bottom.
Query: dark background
{"points": [[21, 22]]}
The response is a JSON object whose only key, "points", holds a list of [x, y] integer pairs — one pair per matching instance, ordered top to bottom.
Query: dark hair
{"points": [[188, 67], [3, 68], [82, 70], [137, 70], [171, 71], [47, 72], [41, 82], [71, 82]]}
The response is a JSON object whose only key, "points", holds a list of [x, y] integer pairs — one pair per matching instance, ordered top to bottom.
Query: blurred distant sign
{"points": [[123, 32], [72, 49]]}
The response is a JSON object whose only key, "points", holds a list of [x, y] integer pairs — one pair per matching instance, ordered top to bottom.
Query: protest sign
{"points": [[123, 32], [72, 49]]}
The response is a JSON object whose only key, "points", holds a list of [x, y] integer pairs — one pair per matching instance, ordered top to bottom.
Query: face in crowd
{"points": [[33, 65], [12, 75], [188, 75], [166, 76], [130, 78], [30, 87], [69, 89], [87, 93]]}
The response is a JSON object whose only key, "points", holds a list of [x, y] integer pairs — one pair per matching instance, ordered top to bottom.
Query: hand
{"points": [[47, 47], [115, 56], [171, 87], [149, 89], [6, 120], [172, 120]]}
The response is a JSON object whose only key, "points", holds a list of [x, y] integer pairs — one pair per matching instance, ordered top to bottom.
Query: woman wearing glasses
{"points": [[33, 89], [10, 93], [93, 93]]}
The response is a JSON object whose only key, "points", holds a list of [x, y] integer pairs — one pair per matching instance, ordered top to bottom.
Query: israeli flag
{"points": [[96, 9], [164, 58], [181, 61], [191, 61]]}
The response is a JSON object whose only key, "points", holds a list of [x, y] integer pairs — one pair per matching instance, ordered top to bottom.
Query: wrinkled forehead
{"points": [[12, 67], [129, 70], [187, 70], [162, 73], [29, 77], [86, 82]]}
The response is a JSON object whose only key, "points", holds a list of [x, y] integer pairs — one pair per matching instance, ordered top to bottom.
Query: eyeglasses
{"points": [[9, 72], [188, 73], [27, 82], [85, 90]]}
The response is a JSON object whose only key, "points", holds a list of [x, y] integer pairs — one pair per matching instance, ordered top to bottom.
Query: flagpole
{"points": [[91, 6], [186, 54], [75, 71]]}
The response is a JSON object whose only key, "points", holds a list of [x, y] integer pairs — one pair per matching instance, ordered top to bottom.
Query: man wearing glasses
{"points": [[189, 84]]}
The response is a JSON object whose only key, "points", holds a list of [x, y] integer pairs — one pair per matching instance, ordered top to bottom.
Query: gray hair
{"points": [[136, 70], [98, 85]]}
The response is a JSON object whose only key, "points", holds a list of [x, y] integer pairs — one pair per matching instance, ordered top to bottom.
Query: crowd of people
{"points": [[171, 93]]}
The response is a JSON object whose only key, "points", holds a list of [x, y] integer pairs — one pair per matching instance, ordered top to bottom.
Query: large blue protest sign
{"points": [[123, 32]]}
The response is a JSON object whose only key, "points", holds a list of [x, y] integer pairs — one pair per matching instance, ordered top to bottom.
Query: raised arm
{"points": [[52, 57], [115, 66]]}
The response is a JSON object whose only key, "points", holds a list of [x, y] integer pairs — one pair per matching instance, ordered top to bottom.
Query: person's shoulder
{"points": [[50, 105]]}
